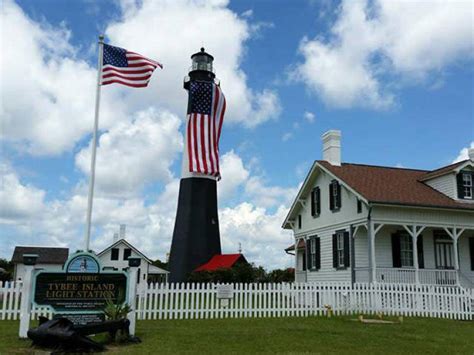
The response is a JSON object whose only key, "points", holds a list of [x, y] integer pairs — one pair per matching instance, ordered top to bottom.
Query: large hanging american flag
{"points": [[127, 68], [203, 128]]}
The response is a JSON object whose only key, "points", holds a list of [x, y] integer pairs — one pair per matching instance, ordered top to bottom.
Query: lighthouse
{"points": [[196, 236]]}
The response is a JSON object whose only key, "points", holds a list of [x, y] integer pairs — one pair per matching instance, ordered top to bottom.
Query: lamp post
{"points": [[29, 260]]}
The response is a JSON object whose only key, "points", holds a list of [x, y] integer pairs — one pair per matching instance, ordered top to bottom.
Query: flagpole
{"points": [[94, 144]]}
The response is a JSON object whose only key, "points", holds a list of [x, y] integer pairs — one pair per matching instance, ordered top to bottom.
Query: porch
{"points": [[429, 254]]}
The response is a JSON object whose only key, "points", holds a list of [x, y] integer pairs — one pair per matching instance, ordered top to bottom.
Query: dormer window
{"points": [[465, 185]]}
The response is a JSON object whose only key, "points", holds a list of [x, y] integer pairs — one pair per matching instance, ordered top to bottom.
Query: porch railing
{"points": [[408, 276]]}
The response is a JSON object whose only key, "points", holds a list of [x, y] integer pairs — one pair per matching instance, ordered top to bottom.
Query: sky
{"points": [[396, 77]]}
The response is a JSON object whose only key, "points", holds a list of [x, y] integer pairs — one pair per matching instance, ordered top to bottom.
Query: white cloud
{"points": [[178, 31], [375, 46], [47, 92], [309, 116], [133, 154], [463, 154], [234, 174], [18, 202], [259, 232]]}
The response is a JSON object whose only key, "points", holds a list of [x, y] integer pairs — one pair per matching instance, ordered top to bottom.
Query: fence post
{"points": [[25, 305]]}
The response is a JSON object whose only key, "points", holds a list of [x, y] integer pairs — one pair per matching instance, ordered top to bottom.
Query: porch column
{"points": [[373, 229], [414, 232], [455, 233], [371, 251]]}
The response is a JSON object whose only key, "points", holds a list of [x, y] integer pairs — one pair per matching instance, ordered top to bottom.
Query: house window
{"points": [[465, 185], [334, 196], [315, 202], [359, 206], [299, 221], [313, 249], [340, 249], [406, 250], [443, 251], [126, 253], [114, 254]]}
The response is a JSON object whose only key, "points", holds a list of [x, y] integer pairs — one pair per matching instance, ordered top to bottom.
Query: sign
{"points": [[79, 291], [225, 291]]}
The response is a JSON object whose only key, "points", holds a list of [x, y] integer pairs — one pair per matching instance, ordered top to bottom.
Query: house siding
{"points": [[445, 184], [441, 217], [325, 225], [361, 249], [121, 264], [327, 271]]}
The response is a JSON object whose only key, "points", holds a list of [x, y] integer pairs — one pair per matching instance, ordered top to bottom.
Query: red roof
{"points": [[393, 185], [221, 261]]}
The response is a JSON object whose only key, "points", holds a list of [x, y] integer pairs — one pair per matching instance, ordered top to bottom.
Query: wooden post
{"points": [[25, 306]]}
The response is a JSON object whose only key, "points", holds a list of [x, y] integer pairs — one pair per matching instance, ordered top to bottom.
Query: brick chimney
{"points": [[332, 147]]}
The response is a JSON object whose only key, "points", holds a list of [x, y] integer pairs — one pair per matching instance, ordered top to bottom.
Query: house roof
{"points": [[442, 171], [385, 185], [392, 185], [123, 241], [301, 245], [46, 255], [221, 261], [152, 269]]}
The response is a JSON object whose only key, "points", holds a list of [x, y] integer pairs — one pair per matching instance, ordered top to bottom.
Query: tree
{"points": [[8, 267]]}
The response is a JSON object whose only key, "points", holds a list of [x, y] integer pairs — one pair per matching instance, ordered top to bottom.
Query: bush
{"points": [[242, 273]]}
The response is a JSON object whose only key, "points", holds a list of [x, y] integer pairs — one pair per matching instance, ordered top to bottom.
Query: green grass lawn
{"points": [[283, 335]]}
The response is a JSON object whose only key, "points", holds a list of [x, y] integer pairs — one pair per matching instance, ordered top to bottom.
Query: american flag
{"points": [[126, 68], [203, 127]]}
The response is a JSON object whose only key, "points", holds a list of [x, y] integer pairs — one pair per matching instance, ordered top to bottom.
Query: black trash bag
{"points": [[60, 334]]}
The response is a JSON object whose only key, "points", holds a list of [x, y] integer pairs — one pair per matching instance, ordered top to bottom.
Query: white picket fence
{"points": [[10, 298], [200, 301]]}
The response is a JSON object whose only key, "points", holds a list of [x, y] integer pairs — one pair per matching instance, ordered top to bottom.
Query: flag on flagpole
{"points": [[127, 68], [204, 125]]}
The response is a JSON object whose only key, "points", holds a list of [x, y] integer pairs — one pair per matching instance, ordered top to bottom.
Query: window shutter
{"points": [[460, 185], [338, 197], [331, 199], [318, 200], [313, 210], [419, 248], [334, 250], [471, 251], [308, 253], [318, 253], [347, 260], [397, 262]]}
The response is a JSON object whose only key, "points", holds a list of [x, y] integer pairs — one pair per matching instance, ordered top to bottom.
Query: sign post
{"points": [[29, 260], [133, 264]]}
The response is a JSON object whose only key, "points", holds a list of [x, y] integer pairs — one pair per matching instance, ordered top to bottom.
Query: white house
{"points": [[364, 223], [116, 257], [49, 258]]}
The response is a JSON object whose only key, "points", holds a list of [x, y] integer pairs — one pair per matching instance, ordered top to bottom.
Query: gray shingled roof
{"points": [[46, 255]]}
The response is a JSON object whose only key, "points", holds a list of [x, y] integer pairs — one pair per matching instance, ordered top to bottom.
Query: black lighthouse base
{"points": [[196, 231]]}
